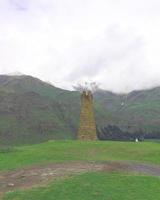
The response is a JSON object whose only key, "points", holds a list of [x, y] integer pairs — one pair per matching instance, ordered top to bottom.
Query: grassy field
{"points": [[61, 151], [86, 186], [98, 186]]}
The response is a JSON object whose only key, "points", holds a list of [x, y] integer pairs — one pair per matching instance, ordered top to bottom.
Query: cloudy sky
{"points": [[113, 42]]}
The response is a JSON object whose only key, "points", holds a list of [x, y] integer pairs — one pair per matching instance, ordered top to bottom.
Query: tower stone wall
{"points": [[87, 127]]}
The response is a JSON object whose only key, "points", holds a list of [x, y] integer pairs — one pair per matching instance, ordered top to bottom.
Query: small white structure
{"points": [[122, 104], [136, 140]]}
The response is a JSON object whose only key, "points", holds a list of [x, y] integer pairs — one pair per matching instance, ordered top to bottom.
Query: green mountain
{"points": [[136, 110], [32, 111]]}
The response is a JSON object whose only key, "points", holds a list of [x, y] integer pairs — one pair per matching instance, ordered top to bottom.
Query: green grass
{"points": [[61, 151], [87, 186], [98, 186]]}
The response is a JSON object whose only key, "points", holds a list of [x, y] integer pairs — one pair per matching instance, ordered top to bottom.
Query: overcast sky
{"points": [[113, 42]]}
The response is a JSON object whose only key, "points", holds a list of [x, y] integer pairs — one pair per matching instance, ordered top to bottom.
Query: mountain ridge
{"points": [[32, 110]]}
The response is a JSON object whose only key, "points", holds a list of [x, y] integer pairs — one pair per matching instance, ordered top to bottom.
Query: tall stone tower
{"points": [[87, 127]]}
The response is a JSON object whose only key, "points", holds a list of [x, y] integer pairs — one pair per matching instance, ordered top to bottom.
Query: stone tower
{"points": [[87, 127]]}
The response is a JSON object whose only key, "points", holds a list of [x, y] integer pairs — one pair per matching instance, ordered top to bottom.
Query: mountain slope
{"points": [[137, 110], [32, 111]]}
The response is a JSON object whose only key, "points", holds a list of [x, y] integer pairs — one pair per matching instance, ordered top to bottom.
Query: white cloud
{"points": [[65, 41]]}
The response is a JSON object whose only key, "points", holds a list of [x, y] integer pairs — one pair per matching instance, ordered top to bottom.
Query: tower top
{"points": [[87, 87]]}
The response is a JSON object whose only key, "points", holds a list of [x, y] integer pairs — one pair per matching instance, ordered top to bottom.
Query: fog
{"points": [[113, 42]]}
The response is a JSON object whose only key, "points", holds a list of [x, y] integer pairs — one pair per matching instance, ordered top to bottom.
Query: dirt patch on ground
{"points": [[141, 169], [43, 174]]}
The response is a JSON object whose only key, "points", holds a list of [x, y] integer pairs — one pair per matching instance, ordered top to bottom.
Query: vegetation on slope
{"points": [[32, 111]]}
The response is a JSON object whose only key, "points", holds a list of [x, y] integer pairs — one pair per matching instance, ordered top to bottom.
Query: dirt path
{"points": [[42, 174]]}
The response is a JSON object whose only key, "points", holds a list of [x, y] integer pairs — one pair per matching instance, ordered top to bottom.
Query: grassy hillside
{"points": [[136, 110], [32, 111], [61, 151], [100, 185]]}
